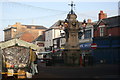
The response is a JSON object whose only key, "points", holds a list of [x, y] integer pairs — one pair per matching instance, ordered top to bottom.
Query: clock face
{"points": [[74, 24]]}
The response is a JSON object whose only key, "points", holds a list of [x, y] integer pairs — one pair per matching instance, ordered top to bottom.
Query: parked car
{"points": [[45, 57]]}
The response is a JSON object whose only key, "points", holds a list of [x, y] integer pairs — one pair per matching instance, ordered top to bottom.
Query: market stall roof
{"points": [[19, 43]]}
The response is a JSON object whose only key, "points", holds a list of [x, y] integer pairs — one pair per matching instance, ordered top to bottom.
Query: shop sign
{"points": [[85, 45], [93, 45]]}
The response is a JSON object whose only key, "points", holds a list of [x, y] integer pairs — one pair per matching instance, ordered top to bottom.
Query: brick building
{"points": [[107, 26], [24, 32], [107, 38]]}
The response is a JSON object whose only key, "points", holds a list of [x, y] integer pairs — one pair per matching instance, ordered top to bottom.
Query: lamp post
{"points": [[84, 25], [61, 27], [66, 29], [80, 33], [83, 53]]}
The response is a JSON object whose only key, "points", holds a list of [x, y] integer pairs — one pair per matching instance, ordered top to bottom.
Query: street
{"points": [[95, 71]]}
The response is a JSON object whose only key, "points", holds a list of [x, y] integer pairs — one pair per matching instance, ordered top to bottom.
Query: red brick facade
{"points": [[102, 15], [110, 25], [114, 31]]}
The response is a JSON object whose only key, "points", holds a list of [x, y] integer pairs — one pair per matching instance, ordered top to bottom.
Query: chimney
{"points": [[102, 15], [89, 21], [18, 23]]}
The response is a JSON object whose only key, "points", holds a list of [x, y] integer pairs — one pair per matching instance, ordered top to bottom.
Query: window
{"points": [[28, 26], [102, 31], [88, 34], [80, 35], [58, 43], [40, 44]]}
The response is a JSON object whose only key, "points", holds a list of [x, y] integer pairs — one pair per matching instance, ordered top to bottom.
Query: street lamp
{"points": [[66, 23], [84, 25], [61, 27], [80, 33], [83, 53]]}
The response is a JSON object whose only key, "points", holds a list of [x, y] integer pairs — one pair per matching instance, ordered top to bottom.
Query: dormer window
{"points": [[102, 30]]}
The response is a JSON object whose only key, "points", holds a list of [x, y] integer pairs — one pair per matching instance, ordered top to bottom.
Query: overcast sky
{"points": [[47, 12]]}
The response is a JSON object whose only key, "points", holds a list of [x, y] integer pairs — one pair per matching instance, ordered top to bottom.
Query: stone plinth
{"points": [[72, 56]]}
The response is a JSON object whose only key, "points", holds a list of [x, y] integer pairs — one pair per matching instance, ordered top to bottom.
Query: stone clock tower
{"points": [[72, 49]]}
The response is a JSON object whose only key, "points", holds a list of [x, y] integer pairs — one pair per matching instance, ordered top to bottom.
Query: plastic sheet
{"points": [[16, 56]]}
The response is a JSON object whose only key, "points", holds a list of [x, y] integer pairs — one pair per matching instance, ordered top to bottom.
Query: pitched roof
{"points": [[111, 22], [56, 25], [36, 26], [8, 28], [19, 34], [27, 36], [39, 38], [19, 42]]}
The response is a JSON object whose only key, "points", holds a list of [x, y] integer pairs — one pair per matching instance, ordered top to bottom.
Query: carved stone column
{"points": [[72, 49]]}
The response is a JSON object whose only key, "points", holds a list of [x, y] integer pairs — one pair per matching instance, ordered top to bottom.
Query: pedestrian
{"points": [[34, 63]]}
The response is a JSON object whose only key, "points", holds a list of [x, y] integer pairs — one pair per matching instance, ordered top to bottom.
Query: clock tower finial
{"points": [[72, 6]]}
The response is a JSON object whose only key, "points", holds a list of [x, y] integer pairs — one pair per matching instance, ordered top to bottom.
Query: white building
{"points": [[53, 32], [88, 35], [54, 39], [59, 43]]}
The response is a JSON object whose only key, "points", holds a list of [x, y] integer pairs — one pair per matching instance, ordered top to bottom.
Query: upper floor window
{"points": [[29, 27], [102, 31], [88, 34], [80, 35]]}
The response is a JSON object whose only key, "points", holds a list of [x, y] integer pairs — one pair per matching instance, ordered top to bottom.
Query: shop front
{"points": [[108, 50], [86, 58]]}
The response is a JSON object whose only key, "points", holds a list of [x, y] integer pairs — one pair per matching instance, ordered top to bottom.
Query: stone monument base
{"points": [[72, 56]]}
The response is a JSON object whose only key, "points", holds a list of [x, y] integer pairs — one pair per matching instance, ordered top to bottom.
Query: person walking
{"points": [[34, 63]]}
